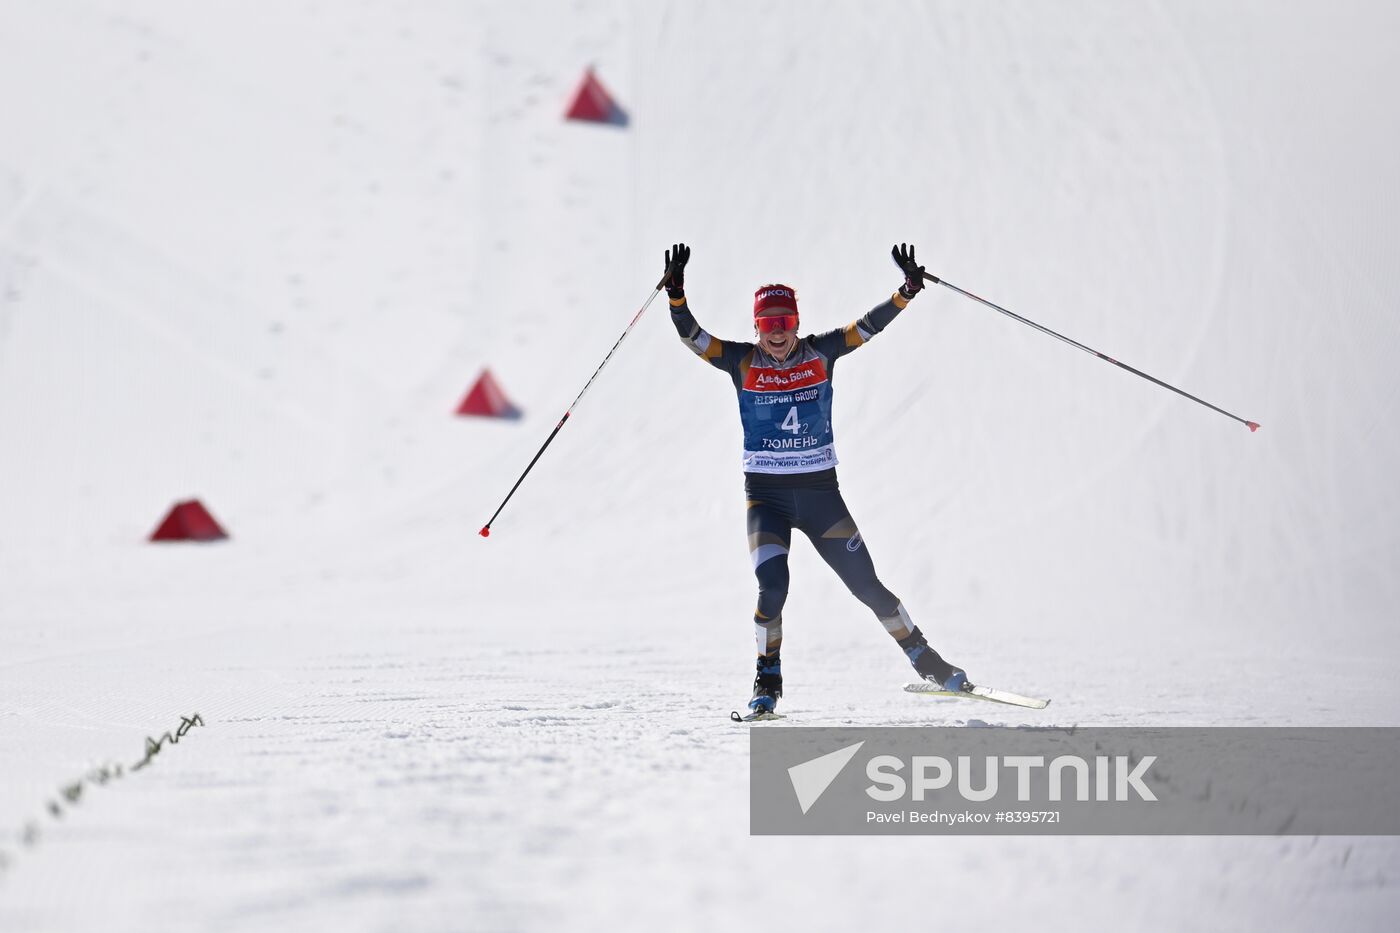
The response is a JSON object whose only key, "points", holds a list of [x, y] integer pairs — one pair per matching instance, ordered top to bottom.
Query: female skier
{"points": [[784, 386]]}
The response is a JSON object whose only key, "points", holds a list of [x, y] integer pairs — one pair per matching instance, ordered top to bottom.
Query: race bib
{"points": [[786, 413]]}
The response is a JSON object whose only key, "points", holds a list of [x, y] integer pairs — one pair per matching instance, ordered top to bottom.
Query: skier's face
{"points": [[777, 332]]}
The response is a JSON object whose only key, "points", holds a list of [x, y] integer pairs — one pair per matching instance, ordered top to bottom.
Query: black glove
{"points": [[676, 258], [913, 272]]}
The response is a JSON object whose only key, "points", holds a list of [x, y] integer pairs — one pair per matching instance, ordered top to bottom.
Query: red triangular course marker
{"points": [[593, 104], [485, 399], [189, 521]]}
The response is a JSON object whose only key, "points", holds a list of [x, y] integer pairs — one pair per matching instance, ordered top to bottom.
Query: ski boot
{"points": [[929, 664], [767, 684]]}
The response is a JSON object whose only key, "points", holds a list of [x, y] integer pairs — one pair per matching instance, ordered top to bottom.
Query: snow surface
{"points": [[255, 253]]}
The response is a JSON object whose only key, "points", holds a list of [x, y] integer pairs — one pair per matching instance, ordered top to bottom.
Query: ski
{"points": [[978, 693], [755, 717]]}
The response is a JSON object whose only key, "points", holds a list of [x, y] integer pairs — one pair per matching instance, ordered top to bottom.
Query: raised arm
{"points": [[843, 340], [721, 354]]}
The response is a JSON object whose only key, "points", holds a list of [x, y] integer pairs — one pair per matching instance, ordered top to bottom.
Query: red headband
{"points": [[771, 297]]}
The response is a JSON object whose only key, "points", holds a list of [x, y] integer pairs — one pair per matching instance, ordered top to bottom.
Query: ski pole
{"points": [[1253, 426], [486, 529]]}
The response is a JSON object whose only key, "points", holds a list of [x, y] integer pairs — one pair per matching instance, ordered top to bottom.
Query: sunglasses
{"points": [[772, 322]]}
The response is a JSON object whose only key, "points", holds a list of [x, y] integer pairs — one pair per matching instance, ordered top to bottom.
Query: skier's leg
{"points": [[824, 518], [770, 538]]}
